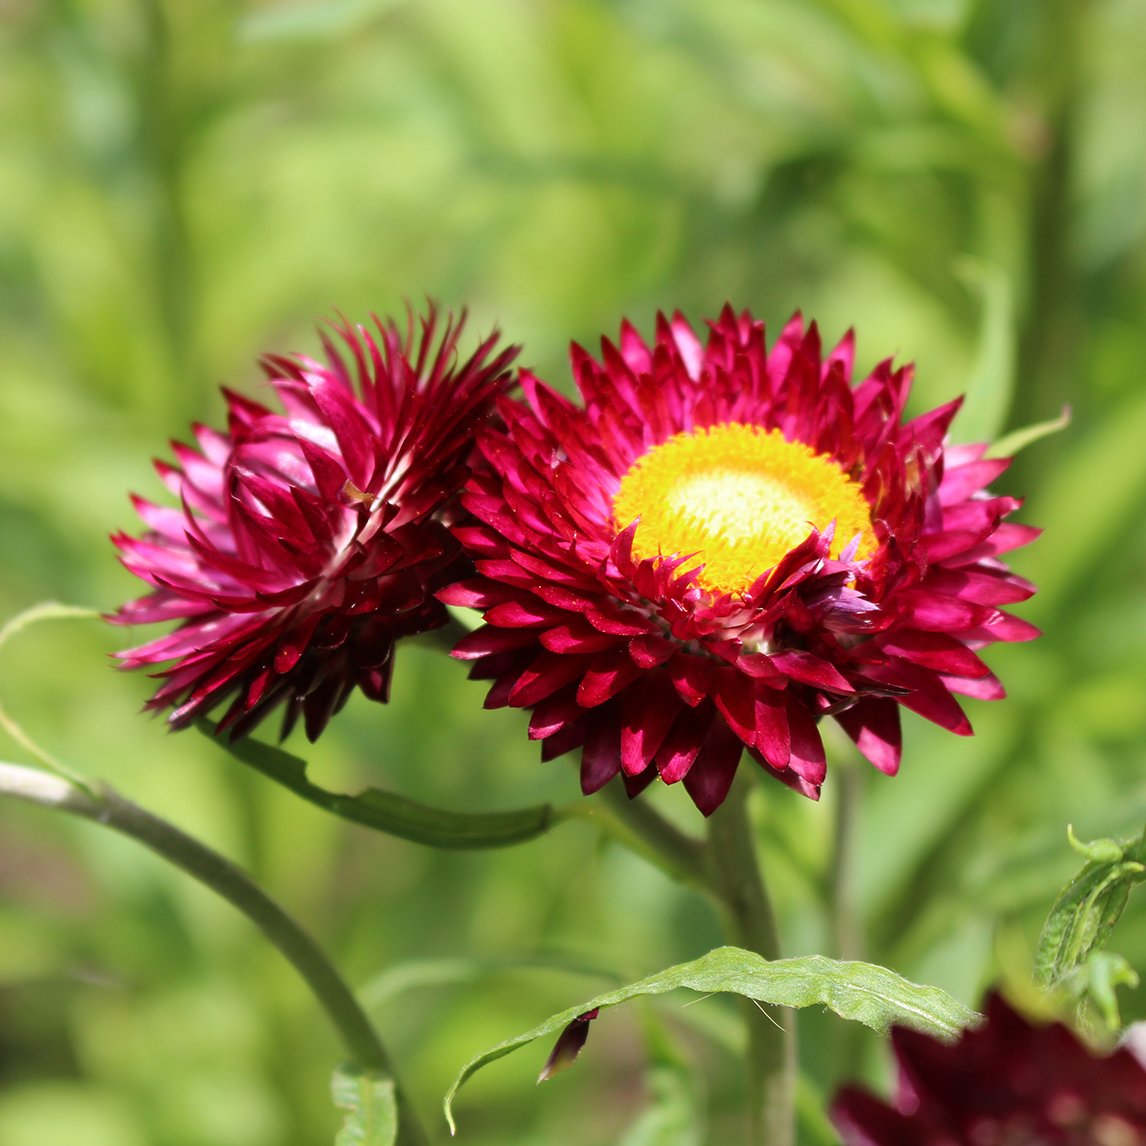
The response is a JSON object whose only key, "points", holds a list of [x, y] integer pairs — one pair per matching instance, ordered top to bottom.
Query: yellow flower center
{"points": [[739, 497]]}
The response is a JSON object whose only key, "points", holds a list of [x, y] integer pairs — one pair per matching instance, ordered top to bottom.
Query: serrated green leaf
{"points": [[387, 812], [862, 992], [371, 1107]]}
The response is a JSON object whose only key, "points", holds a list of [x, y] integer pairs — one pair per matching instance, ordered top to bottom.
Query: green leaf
{"points": [[1010, 444], [388, 812], [1087, 909], [862, 992], [371, 1108]]}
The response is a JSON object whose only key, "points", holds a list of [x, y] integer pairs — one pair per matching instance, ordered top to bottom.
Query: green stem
{"points": [[727, 868], [736, 883], [234, 885], [846, 939]]}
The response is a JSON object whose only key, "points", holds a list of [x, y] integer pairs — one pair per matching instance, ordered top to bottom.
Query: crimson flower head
{"points": [[307, 541], [725, 543], [1006, 1083]]}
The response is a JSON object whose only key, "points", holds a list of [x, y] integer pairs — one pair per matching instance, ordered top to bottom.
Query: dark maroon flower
{"points": [[307, 542], [725, 544], [1007, 1083]]}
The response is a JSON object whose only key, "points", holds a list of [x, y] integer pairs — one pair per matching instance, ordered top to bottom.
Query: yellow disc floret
{"points": [[739, 497]]}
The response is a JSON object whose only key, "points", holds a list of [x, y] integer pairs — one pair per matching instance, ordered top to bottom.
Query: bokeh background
{"points": [[186, 185]]}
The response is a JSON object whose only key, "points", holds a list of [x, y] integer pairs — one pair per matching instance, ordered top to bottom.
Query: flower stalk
{"points": [[105, 806], [726, 867], [736, 883], [845, 929]]}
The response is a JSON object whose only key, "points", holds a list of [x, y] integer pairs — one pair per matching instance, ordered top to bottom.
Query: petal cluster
{"points": [[307, 540], [631, 660], [1008, 1082]]}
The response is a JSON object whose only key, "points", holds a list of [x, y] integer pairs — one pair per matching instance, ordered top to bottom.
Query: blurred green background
{"points": [[186, 185]]}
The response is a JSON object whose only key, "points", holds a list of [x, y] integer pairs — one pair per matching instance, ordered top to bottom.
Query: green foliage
{"points": [[183, 186], [1017, 440], [45, 611], [390, 813], [1071, 951], [860, 992], [370, 1105], [673, 1116]]}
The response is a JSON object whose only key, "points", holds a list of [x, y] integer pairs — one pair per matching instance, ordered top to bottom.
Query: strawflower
{"points": [[307, 541], [724, 544], [1007, 1083]]}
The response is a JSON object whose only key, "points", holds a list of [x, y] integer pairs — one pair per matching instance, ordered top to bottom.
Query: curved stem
{"points": [[107, 807], [736, 883]]}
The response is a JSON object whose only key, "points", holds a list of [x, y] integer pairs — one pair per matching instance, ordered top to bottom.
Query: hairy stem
{"points": [[106, 807], [736, 883]]}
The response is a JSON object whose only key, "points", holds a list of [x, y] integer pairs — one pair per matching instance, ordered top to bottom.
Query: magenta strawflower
{"points": [[307, 542], [725, 544], [1006, 1083]]}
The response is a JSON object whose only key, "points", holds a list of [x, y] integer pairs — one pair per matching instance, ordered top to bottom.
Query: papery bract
{"points": [[307, 541]]}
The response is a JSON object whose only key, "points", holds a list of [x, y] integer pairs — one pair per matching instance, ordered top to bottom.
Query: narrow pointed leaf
{"points": [[1010, 444], [387, 812], [862, 992]]}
